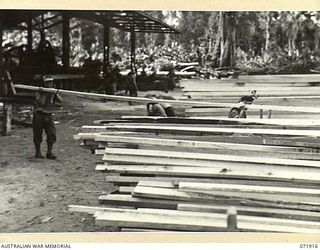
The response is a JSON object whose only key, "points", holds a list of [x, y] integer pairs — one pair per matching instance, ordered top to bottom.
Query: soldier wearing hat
{"points": [[44, 106], [154, 108], [240, 111]]}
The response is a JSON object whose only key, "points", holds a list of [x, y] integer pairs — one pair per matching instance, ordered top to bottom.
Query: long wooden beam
{"points": [[292, 76], [269, 79], [251, 81], [252, 85], [246, 90], [238, 94], [235, 95], [176, 102], [224, 120], [248, 126], [215, 130], [190, 144], [308, 144], [211, 157], [227, 166], [216, 172], [120, 180], [250, 188], [228, 198], [279, 198], [128, 200], [89, 209], [254, 211], [135, 218], [243, 219], [193, 221]]}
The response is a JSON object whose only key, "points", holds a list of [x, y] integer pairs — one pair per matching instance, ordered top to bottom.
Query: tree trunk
{"points": [[293, 29], [267, 32], [217, 44], [227, 57]]}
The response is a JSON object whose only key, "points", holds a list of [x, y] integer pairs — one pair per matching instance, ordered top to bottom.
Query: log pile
{"points": [[173, 174]]}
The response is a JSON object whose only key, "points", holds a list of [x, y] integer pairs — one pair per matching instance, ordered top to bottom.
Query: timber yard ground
{"points": [[35, 193]]}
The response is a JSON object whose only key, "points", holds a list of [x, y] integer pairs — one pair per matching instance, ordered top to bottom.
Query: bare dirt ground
{"points": [[35, 193]]}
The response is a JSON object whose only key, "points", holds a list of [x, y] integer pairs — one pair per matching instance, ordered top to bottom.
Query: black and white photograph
{"points": [[159, 121]]}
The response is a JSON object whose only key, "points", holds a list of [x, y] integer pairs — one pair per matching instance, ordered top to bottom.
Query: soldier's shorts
{"points": [[43, 121]]}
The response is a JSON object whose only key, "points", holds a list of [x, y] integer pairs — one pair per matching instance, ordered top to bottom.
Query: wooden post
{"points": [[42, 34], [30, 40], [65, 40], [106, 44], [133, 48], [3, 87], [7, 107], [261, 113], [269, 114], [7, 117], [232, 219]]}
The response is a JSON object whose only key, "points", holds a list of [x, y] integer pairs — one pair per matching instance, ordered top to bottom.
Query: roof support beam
{"points": [[46, 20], [53, 24], [42, 34], [30, 40], [65, 40], [106, 44], [133, 48], [2, 86], [7, 107]]}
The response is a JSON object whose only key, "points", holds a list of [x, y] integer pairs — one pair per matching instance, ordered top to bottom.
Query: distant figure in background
{"points": [[46, 56], [143, 72], [171, 79], [109, 80], [131, 85], [155, 108], [240, 112], [42, 119]]}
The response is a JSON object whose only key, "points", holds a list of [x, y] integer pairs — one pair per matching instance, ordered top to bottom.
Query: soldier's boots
{"points": [[38, 152], [39, 155], [50, 155]]}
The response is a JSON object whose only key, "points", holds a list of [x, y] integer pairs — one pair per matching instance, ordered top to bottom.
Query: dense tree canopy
{"points": [[215, 39]]}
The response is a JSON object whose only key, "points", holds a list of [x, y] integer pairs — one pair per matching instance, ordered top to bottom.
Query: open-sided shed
{"points": [[39, 20], [128, 21]]}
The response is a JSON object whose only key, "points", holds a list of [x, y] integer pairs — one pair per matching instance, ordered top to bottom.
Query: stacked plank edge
{"points": [[271, 89], [172, 174]]}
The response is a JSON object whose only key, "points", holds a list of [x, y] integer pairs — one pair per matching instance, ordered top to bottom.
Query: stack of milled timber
{"points": [[288, 90], [223, 175]]}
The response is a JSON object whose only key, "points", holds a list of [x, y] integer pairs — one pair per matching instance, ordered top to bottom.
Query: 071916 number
{"points": [[309, 246]]}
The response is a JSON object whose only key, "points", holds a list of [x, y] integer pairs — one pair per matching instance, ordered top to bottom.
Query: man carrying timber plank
{"points": [[44, 106], [160, 109], [240, 112]]}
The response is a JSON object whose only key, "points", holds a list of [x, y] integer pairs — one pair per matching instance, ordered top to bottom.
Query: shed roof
{"points": [[123, 20]]}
